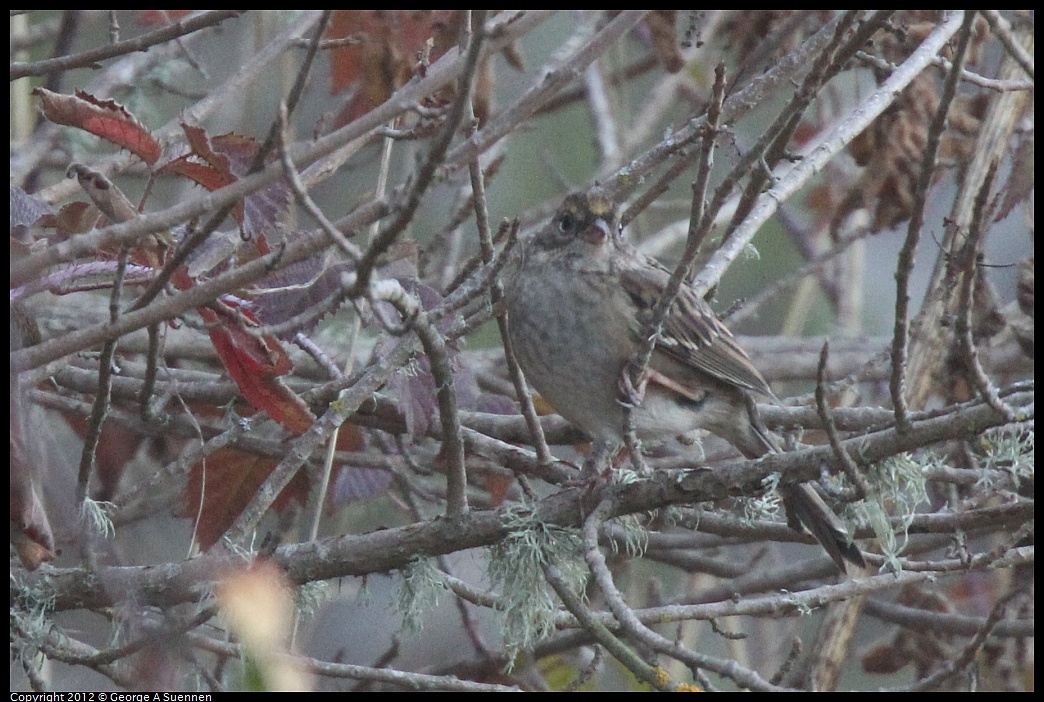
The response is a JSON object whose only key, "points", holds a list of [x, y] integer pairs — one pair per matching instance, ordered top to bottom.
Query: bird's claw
{"points": [[631, 396]]}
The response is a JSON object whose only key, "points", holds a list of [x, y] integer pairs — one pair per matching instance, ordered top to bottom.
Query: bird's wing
{"points": [[692, 335]]}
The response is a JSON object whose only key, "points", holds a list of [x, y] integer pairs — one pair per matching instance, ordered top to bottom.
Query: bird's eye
{"points": [[566, 223]]}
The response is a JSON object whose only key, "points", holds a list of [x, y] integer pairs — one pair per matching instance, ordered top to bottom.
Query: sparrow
{"points": [[579, 303]]}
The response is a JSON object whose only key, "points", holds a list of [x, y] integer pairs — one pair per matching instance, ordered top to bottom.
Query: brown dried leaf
{"points": [[387, 51], [1021, 180], [105, 196], [111, 202], [73, 218]]}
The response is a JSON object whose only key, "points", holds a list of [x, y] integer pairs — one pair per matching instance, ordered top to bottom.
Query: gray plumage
{"points": [[578, 305]]}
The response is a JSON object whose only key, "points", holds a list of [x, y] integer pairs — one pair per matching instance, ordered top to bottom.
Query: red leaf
{"points": [[160, 18], [104, 118], [214, 162], [201, 173], [255, 365], [117, 446], [228, 480], [498, 486]]}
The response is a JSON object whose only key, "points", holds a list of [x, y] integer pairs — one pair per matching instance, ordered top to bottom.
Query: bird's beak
{"points": [[598, 232]]}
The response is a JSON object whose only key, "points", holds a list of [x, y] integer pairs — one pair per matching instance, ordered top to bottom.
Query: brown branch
{"points": [[180, 28], [392, 548]]}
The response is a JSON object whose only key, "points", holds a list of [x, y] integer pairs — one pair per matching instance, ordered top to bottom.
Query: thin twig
{"points": [[180, 28], [1002, 29], [966, 75], [547, 85], [606, 129], [816, 156], [425, 173], [305, 200], [699, 228], [904, 267], [968, 273], [435, 349], [102, 400], [823, 408], [633, 626], [657, 678]]}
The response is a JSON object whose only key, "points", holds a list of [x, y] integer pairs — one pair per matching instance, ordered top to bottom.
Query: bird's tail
{"points": [[803, 504], [805, 507]]}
